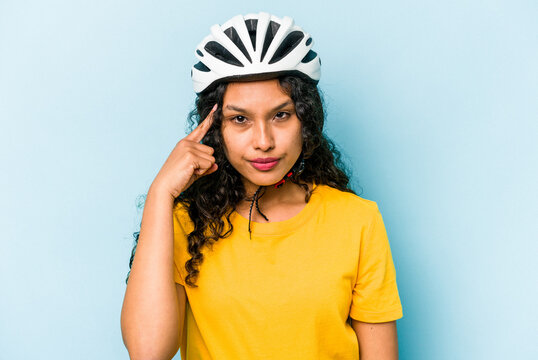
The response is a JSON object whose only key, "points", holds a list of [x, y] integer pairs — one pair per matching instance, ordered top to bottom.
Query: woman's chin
{"points": [[267, 179]]}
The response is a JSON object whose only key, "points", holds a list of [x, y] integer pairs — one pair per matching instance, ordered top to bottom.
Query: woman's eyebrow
{"points": [[236, 108]]}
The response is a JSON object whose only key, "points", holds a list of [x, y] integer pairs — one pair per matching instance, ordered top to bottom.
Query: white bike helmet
{"points": [[254, 46]]}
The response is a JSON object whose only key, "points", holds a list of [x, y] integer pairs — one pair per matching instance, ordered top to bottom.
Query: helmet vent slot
{"points": [[251, 27], [234, 36], [269, 36], [287, 45], [220, 52], [309, 57], [201, 66]]}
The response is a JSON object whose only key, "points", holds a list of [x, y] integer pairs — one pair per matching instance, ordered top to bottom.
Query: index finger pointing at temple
{"points": [[199, 132]]}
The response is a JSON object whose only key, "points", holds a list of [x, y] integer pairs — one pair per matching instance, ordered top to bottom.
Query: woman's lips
{"points": [[264, 164]]}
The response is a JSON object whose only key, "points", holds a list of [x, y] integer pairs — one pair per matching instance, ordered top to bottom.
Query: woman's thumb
{"points": [[212, 169], [201, 172]]}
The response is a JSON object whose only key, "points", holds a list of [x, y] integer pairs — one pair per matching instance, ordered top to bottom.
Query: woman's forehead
{"points": [[265, 93]]}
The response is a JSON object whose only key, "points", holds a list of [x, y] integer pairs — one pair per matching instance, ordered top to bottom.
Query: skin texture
{"points": [[259, 121], [376, 341]]}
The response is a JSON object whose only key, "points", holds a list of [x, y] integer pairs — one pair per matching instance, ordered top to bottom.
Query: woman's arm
{"points": [[154, 306], [150, 317], [376, 341]]}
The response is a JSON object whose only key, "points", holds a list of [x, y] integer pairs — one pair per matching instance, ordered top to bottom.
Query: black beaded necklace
{"points": [[255, 200]]}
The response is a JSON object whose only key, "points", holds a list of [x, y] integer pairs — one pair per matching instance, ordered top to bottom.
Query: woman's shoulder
{"points": [[344, 201], [180, 209], [181, 216]]}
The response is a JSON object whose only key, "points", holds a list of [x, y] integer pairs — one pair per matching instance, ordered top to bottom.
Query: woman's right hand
{"points": [[188, 161]]}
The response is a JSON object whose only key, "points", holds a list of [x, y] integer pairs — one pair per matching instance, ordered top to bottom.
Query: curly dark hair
{"points": [[212, 199]]}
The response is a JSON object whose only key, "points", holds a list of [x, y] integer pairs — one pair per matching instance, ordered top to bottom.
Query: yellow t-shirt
{"points": [[288, 292]]}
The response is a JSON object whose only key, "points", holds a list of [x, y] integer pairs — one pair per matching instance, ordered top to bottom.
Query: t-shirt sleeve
{"points": [[180, 248], [177, 276], [375, 295]]}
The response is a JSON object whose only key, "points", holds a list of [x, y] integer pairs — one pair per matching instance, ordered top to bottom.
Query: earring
{"points": [[301, 167]]}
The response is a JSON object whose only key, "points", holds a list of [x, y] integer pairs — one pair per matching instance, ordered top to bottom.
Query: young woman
{"points": [[252, 245]]}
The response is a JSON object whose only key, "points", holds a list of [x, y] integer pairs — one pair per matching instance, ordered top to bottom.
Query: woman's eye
{"points": [[281, 115], [239, 119]]}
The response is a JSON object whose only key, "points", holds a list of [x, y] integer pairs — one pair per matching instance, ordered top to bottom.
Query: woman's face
{"points": [[261, 132]]}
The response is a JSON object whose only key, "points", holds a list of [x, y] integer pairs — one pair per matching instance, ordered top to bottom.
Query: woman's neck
{"points": [[271, 194], [276, 203]]}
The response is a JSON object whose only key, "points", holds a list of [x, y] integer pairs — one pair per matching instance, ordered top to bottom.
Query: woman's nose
{"points": [[262, 136]]}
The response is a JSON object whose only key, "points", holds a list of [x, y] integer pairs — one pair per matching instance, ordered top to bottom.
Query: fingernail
{"points": [[214, 107]]}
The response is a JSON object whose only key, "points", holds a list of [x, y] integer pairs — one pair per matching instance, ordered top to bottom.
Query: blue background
{"points": [[434, 105]]}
